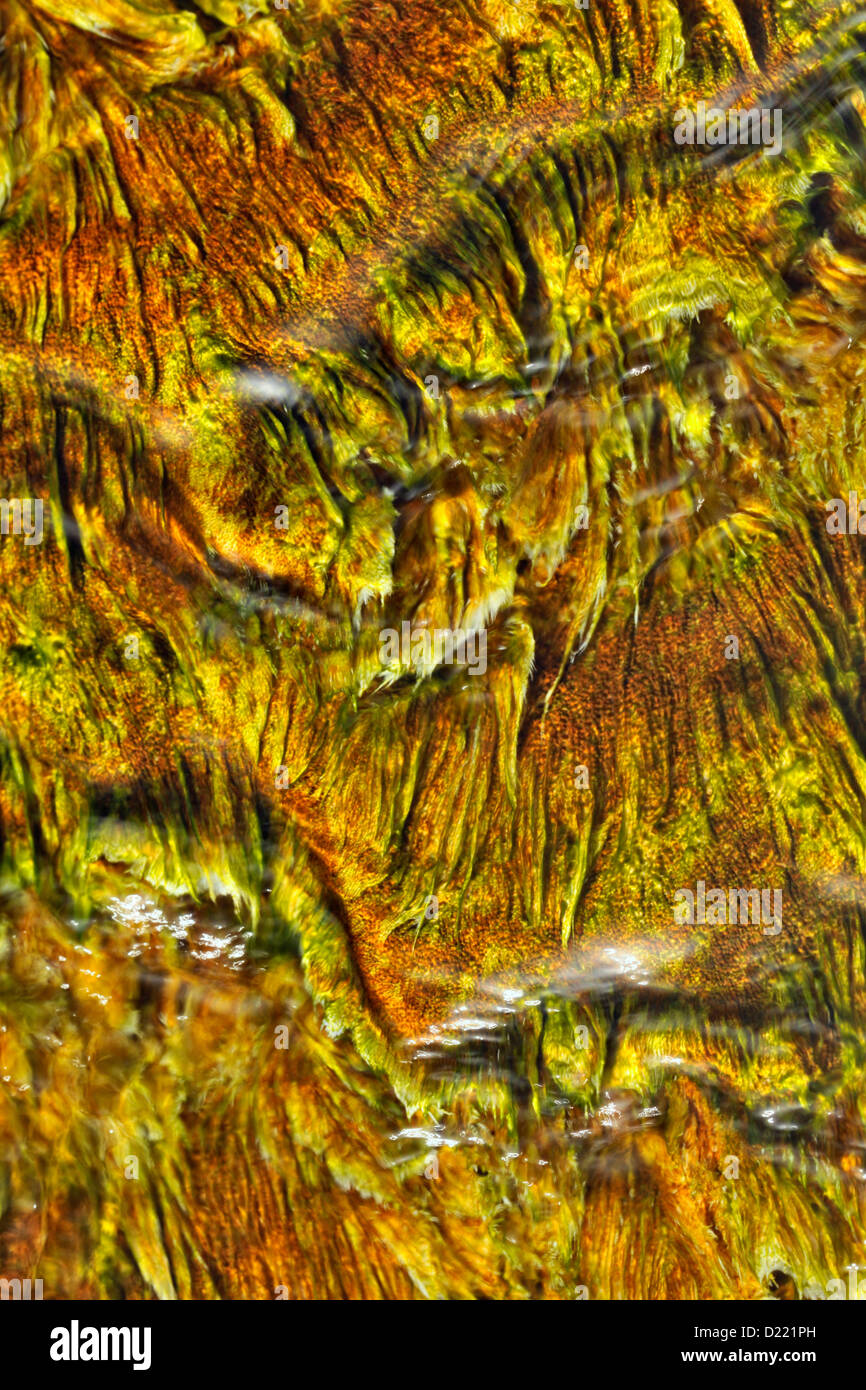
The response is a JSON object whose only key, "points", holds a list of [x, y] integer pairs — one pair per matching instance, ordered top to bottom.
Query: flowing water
{"points": [[432, 623]]}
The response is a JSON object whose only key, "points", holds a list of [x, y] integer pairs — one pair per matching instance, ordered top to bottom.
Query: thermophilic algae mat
{"points": [[433, 705]]}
